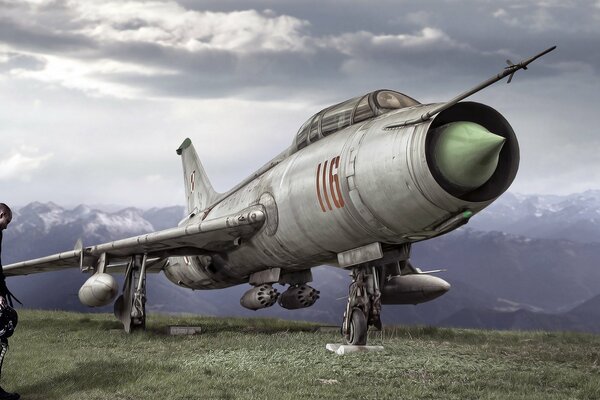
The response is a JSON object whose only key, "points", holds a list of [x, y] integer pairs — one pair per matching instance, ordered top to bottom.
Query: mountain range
{"points": [[575, 217], [526, 262]]}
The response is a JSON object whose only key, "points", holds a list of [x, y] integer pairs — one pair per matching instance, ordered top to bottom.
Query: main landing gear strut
{"points": [[364, 304], [130, 307]]}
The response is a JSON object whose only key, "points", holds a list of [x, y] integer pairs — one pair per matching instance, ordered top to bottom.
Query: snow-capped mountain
{"points": [[575, 217], [48, 219], [494, 273]]}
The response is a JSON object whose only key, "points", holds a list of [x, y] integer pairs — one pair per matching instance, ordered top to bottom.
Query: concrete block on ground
{"points": [[177, 330], [342, 349]]}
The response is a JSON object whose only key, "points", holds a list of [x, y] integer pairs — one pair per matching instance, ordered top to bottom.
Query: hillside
{"points": [[493, 273], [70, 356]]}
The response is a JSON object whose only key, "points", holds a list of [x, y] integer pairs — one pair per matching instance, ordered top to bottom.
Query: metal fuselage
{"points": [[363, 184]]}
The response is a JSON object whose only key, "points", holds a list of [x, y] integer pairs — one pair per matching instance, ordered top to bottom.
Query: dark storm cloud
{"points": [[511, 29], [338, 43], [212, 61], [107, 63], [218, 73]]}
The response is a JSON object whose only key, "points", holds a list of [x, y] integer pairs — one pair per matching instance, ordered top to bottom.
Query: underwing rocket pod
{"points": [[99, 290], [262, 296], [298, 296]]}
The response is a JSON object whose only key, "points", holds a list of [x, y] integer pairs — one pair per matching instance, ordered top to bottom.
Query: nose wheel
{"points": [[364, 305], [357, 332]]}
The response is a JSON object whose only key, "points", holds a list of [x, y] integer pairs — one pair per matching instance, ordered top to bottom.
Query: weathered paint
{"points": [[361, 185]]}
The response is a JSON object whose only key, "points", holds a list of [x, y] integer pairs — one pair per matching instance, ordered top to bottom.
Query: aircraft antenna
{"points": [[508, 71]]}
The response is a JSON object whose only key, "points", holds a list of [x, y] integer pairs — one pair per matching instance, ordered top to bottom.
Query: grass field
{"points": [[60, 355]]}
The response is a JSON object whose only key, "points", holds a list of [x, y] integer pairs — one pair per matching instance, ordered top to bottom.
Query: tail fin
{"points": [[199, 192]]}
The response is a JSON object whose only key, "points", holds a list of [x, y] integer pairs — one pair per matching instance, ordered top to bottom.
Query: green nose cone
{"points": [[466, 154]]}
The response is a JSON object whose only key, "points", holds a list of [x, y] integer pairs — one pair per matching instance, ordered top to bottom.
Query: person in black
{"points": [[5, 218]]}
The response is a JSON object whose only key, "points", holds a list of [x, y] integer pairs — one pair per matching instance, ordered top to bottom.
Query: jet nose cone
{"points": [[466, 154]]}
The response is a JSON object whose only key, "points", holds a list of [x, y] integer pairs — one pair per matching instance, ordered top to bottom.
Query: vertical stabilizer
{"points": [[198, 190]]}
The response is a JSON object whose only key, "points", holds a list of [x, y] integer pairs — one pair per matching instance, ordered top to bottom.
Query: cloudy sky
{"points": [[95, 96]]}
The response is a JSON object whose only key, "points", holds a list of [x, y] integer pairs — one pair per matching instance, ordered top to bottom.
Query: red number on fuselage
{"points": [[328, 184]]}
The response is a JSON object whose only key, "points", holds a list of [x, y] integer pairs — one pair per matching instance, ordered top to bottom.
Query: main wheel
{"points": [[138, 322], [358, 328]]}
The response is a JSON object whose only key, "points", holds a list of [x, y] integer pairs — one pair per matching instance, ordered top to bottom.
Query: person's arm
{"points": [[3, 287]]}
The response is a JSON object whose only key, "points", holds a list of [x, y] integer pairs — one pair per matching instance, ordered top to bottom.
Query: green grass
{"points": [[60, 355]]}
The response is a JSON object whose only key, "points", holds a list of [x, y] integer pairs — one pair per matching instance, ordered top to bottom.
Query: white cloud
{"points": [[557, 3], [500, 13], [547, 15], [169, 24], [108, 27], [426, 36], [355, 43], [131, 49], [193, 73], [87, 75], [20, 166]]}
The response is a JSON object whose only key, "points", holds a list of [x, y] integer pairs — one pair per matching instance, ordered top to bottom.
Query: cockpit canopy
{"points": [[349, 112]]}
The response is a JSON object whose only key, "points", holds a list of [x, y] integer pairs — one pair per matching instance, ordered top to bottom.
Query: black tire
{"points": [[139, 324], [358, 328]]}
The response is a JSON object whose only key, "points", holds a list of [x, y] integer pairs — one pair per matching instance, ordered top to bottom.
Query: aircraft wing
{"points": [[218, 234]]}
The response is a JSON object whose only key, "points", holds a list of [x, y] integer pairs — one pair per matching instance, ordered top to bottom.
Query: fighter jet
{"points": [[361, 182]]}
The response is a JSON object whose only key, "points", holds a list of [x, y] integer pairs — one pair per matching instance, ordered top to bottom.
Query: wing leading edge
{"points": [[218, 234]]}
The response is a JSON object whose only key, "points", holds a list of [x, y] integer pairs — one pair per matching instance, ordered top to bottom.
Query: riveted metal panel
{"points": [[361, 185]]}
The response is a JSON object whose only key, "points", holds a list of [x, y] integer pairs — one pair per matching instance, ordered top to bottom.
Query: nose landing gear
{"points": [[364, 305]]}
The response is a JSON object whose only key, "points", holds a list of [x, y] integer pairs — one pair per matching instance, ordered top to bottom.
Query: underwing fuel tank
{"points": [[412, 289], [99, 290]]}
